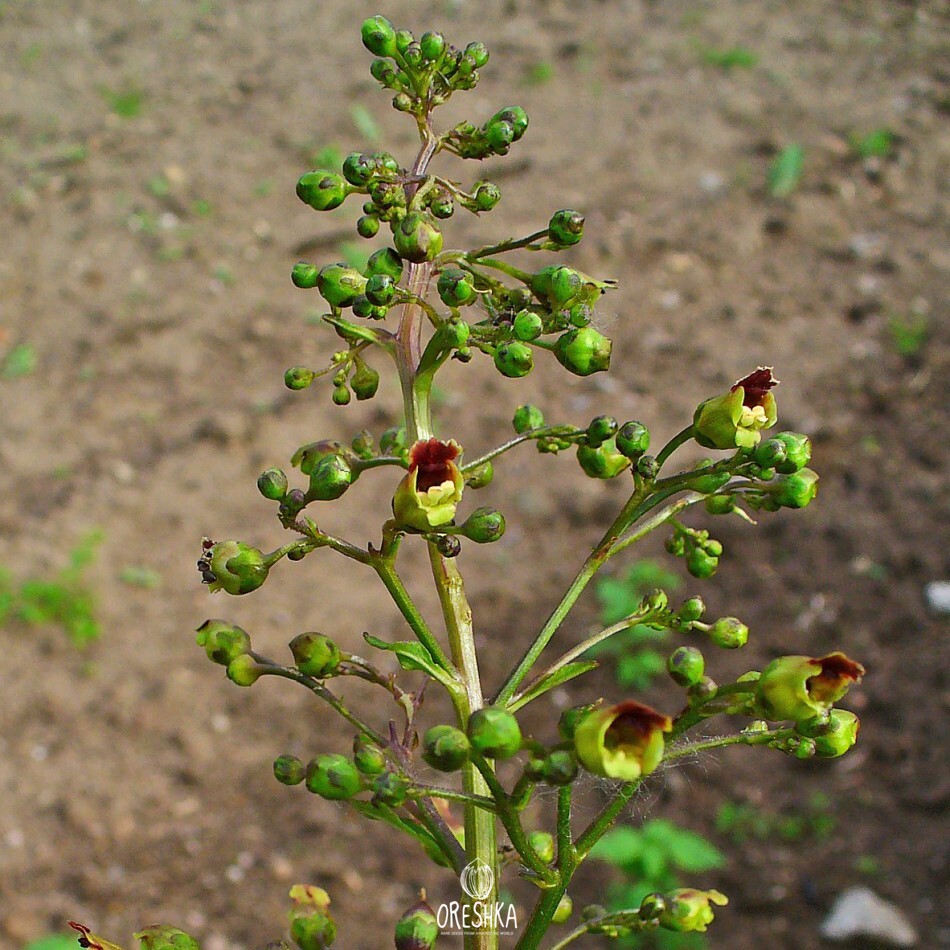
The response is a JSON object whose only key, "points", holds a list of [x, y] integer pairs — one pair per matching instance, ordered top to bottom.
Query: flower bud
{"points": [[379, 36], [404, 39], [432, 45], [358, 168], [323, 191], [487, 195], [367, 226], [566, 227], [417, 238], [385, 261], [304, 275], [339, 284], [455, 287], [380, 289], [583, 351], [514, 359], [298, 377], [365, 382], [527, 417], [735, 420], [600, 429], [633, 439], [393, 440], [797, 452], [770, 453], [307, 456], [602, 462], [648, 467], [481, 476], [331, 477], [272, 484], [707, 484], [794, 491], [429, 493], [719, 504], [483, 526], [448, 545], [700, 564], [234, 567], [691, 609], [729, 633], [223, 641], [315, 654], [686, 666], [244, 670], [801, 687], [570, 717], [494, 733], [837, 735], [623, 741], [445, 748], [368, 757], [559, 768], [289, 770], [333, 777], [390, 789], [543, 844], [651, 906], [688, 910], [562, 913], [311, 926], [417, 929], [161, 937]]}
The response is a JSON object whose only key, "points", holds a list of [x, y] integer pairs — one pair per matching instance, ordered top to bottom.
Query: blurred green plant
{"points": [[733, 57], [537, 74], [127, 103], [365, 124], [878, 143], [785, 172], [909, 332], [19, 361], [137, 575], [64, 601], [636, 662], [741, 821], [651, 858], [53, 942]]}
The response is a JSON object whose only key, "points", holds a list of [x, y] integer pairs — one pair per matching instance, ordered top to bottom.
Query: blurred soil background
{"points": [[149, 156]]}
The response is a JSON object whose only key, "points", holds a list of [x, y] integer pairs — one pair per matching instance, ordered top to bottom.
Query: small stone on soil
{"points": [[859, 912]]}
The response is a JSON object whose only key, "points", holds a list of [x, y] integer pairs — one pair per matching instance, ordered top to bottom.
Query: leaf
{"points": [[736, 57], [365, 123], [876, 144], [786, 171], [20, 361], [136, 575], [412, 656], [638, 670], [567, 672], [620, 846], [693, 853], [53, 942]]}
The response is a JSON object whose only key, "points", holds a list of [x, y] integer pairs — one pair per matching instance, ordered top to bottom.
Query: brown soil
{"points": [[135, 779]]}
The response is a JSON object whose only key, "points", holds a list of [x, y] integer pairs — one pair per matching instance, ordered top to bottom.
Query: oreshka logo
{"points": [[459, 918]]}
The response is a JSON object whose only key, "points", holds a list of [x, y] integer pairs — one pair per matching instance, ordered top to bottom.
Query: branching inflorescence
{"points": [[418, 304]]}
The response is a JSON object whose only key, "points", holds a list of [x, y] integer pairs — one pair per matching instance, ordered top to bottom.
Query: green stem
{"points": [[510, 245], [539, 433], [681, 438], [742, 738], [451, 795], [602, 823]]}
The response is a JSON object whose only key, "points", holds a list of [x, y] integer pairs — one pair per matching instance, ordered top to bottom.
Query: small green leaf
{"points": [[736, 57], [876, 144], [785, 172], [20, 361], [139, 576], [412, 656], [563, 675], [620, 846], [692, 853], [53, 942]]}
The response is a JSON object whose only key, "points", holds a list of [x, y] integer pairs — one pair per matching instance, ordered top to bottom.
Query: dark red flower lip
{"points": [[755, 386], [432, 460], [837, 673], [634, 723]]}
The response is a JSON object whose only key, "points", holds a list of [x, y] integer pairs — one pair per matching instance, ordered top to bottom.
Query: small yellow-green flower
{"points": [[737, 418], [429, 494], [801, 687], [623, 741], [688, 909]]}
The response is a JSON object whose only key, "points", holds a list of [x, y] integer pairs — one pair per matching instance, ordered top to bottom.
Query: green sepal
{"points": [[223, 641]]}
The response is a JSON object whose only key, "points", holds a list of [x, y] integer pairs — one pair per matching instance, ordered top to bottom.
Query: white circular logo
{"points": [[477, 880]]}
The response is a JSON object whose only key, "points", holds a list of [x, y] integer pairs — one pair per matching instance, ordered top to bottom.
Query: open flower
{"points": [[735, 419], [429, 494], [801, 687], [623, 741], [688, 910]]}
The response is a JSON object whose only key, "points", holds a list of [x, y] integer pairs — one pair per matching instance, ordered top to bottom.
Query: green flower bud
{"points": [[379, 36], [404, 40], [432, 45], [478, 54], [383, 72], [515, 116], [500, 135], [358, 168], [323, 191], [487, 195], [387, 196], [441, 205], [367, 226], [566, 227], [417, 238], [385, 261], [304, 275], [339, 284], [455, 287], [380, 290], [581, 314], [527, 326], [454, 333], [583, 351], [514, 359], [298, 377], [365, 382], [527, 417], [735, 420], [600, 429], [633, 439], [393, 441], [797, 452], [770, 453], [307, 456], [602, 462], [648, 467], [481, 476], [331, 477], [272, 484], [707, 484], [794, 491], [429, 493], [294, 502], [719, 504], [483, 526], [449, 546], [700, 564], [234, 567], [691, 609], [730, 633], [223, 641], [315, 654], [686, 666], [243, 670], [800, 687], [703, 691], [568, 720], [494, 733], [839, 735], [623, 741], [445, 748], [368, 757], [559, 768], [289, 770], [334, 777], [390, 789], [543, 844], [651, 906], [688, 910], [562, 913], [311, 926], [417, 929], [161, 937]]}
